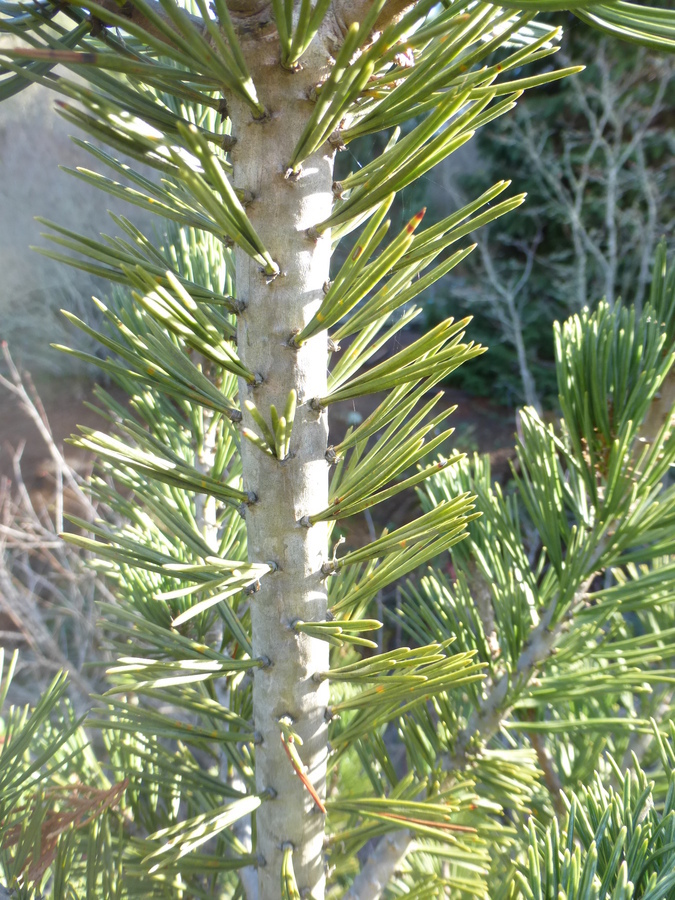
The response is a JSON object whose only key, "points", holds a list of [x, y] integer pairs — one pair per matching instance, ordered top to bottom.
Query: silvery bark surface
{"points": [[281, 212]]}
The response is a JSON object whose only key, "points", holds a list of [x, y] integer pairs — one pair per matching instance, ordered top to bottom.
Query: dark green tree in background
{"points": [[595, 155]]}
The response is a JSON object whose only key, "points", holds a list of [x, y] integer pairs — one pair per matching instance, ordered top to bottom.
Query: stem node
{"points": [[292, 340]]}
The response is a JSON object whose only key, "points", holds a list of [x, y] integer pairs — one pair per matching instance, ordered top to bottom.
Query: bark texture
{"points": [[281, 212], [381, 866]]}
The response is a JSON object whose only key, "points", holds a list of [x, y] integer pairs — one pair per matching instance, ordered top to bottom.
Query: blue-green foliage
{"points": [[617, 842]]}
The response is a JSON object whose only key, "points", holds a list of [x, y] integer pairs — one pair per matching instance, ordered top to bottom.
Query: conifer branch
{"points": [[135, 16], [485, 722], [390, 852]]}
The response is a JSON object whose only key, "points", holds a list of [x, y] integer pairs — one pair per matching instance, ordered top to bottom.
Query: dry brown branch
{"points": [[21, 386], [47, 590], [72, 806]]}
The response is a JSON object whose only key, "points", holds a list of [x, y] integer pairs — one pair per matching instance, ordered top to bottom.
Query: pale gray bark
{"points": [[348, 11], [281, 212], [206, 518], [486, 721], [381, 866]]}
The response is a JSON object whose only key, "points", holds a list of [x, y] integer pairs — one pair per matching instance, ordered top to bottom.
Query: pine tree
{"points": [[248, 757]]}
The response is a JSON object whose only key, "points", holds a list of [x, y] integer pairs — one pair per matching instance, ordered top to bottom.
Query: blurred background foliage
{"points": [[595, 155]]}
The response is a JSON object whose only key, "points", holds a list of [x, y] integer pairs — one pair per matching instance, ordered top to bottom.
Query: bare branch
{"points": [[32, 406], [44, 586], [46, 589]]}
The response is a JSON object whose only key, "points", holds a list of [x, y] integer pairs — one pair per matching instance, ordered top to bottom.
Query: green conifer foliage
{"points": [[255, 744]]}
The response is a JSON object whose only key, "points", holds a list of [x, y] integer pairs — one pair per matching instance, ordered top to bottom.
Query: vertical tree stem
{"points": [[281, 212]]}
